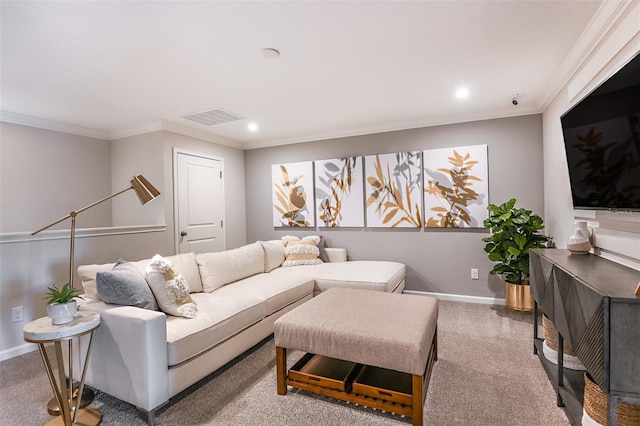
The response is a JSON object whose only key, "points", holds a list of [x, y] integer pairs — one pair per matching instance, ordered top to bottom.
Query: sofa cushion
{"points": [[301, 251], [273, 254], [220, 268], [364, 274], [125, 285], [170, 288], [277, 291], [219, 318]]}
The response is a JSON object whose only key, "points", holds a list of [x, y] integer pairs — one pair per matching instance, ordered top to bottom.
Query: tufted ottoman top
{"points": [[385, 330]]}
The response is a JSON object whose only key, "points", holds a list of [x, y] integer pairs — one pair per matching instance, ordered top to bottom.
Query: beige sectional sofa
{"points": [[145, 357]]}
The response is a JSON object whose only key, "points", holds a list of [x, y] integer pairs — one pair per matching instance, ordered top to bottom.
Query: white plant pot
{"points": [[62, 313]]}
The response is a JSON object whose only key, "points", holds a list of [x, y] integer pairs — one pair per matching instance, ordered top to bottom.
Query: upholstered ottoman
{"points": [[352, 334]]}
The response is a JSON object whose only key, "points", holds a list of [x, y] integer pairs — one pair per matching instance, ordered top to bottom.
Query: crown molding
{"points": [[601, 25], [41, 123], [407, 125], [149, 127], [181, 129]]}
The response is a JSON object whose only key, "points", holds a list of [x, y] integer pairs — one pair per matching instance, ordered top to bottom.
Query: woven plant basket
{"points": [[551, 337], [596, 405]]}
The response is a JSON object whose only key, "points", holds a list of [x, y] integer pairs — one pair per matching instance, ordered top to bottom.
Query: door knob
{"points": [[183, 234]]}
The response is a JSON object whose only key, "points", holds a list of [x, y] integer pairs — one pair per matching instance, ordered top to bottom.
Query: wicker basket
{"points": [[551, 336], [596, 405]]}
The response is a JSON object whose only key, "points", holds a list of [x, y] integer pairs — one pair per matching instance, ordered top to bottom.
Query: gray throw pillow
{"points": [[322, 245], [125, 285]]}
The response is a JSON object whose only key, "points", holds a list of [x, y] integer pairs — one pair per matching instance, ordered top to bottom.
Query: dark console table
{"points": [[592, 302]]}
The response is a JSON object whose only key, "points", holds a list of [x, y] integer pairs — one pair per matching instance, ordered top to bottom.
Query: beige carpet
{"points": [[486, 374]]}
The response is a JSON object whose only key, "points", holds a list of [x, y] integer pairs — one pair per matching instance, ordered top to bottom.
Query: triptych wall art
{"points": [[390, 190]]}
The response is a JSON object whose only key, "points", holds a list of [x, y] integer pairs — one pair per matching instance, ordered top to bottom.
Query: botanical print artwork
{"points": [[292, 184], [456, 187], [394, 190], [339, 192]]}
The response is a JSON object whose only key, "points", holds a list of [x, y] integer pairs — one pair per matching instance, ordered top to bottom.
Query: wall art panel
{"points": [[456, 187], [394, 190], [339, 192], [292, 195]]}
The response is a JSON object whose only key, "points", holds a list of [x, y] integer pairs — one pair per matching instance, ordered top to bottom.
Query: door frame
{"points": [[176, 223]]}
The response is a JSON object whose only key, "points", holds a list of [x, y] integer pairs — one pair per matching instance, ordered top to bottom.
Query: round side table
{"points": [[42, 331]]}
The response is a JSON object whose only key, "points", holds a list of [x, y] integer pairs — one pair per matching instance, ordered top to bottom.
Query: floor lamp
{"points": [[146, 192]]}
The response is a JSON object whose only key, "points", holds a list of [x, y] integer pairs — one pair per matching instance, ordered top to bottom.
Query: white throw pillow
{"points": [[301, 251], [170, 288]]}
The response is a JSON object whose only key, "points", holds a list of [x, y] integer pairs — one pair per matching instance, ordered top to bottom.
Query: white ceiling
{"points": [[121, 68]]}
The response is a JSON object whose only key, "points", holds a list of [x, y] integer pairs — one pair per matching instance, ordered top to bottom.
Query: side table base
{"points": [[87, 397], [86, 417]]}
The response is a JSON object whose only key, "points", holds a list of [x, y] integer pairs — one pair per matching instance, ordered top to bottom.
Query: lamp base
{"points": [[87, 397], [86, 417]]}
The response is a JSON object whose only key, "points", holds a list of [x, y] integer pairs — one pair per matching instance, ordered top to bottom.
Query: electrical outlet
{"points": [[474, 273], [17, 314]]}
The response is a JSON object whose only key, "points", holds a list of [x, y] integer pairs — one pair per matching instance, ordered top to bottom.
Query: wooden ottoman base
{"points": [[340, 380]]}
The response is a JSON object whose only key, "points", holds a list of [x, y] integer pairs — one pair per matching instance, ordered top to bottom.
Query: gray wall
{"points": [[46, 174], [436, 260]]}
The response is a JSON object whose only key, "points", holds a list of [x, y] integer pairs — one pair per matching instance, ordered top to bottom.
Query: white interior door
{"points": [[199, 198]]}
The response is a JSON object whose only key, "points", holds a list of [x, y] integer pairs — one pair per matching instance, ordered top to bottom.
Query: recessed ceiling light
{"points": [[270, 52], [462, 93], [253, 127]]}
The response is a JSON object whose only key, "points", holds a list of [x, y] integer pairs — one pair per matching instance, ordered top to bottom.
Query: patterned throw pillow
{"points": [[301, 251], [170, 288]]}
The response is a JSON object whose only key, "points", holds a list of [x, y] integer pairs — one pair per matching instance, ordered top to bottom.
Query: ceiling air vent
{"points": [[213, 116]]}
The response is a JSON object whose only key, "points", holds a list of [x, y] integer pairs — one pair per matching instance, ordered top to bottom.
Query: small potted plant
{"points": [[514, 231], [61, 304]]}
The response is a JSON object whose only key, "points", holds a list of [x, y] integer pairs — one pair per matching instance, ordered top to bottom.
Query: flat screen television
{"points": [[602, 143]]}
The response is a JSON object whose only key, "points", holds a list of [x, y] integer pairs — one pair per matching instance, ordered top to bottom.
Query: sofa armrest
{"points": [[336, 254], [129, 355]]}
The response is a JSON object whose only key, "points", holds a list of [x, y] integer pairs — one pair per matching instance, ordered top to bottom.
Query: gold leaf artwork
{"points": [[334, 187], [391, 190], [454, 193], [291, 199]]}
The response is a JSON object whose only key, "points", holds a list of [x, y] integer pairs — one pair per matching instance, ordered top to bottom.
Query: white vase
{"points": [[582, 226], [578, 243], [62, 313]]}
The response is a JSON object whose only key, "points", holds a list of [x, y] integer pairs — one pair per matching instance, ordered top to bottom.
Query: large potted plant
{"points": [[514, 231]]}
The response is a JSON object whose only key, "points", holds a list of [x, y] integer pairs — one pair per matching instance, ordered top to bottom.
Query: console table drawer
{"points": [[323, 371]]}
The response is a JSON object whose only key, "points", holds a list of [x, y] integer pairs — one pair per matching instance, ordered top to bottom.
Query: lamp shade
{"points": [[143, 188]]}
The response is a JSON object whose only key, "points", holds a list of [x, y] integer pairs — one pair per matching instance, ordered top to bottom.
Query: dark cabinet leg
{"points": [[535, 326], [559, 401]]}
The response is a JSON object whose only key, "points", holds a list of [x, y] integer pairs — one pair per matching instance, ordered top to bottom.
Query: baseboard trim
{"points": [[458, 297], [17, 351]]}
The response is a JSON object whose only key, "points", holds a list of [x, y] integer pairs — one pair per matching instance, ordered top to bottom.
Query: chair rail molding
{"points": [[61, 234]]}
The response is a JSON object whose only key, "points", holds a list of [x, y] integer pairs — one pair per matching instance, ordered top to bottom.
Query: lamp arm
{"points": [[75, 212]]}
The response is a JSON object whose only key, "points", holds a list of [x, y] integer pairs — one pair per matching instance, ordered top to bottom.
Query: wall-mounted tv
{"points": [[602, 143]]}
